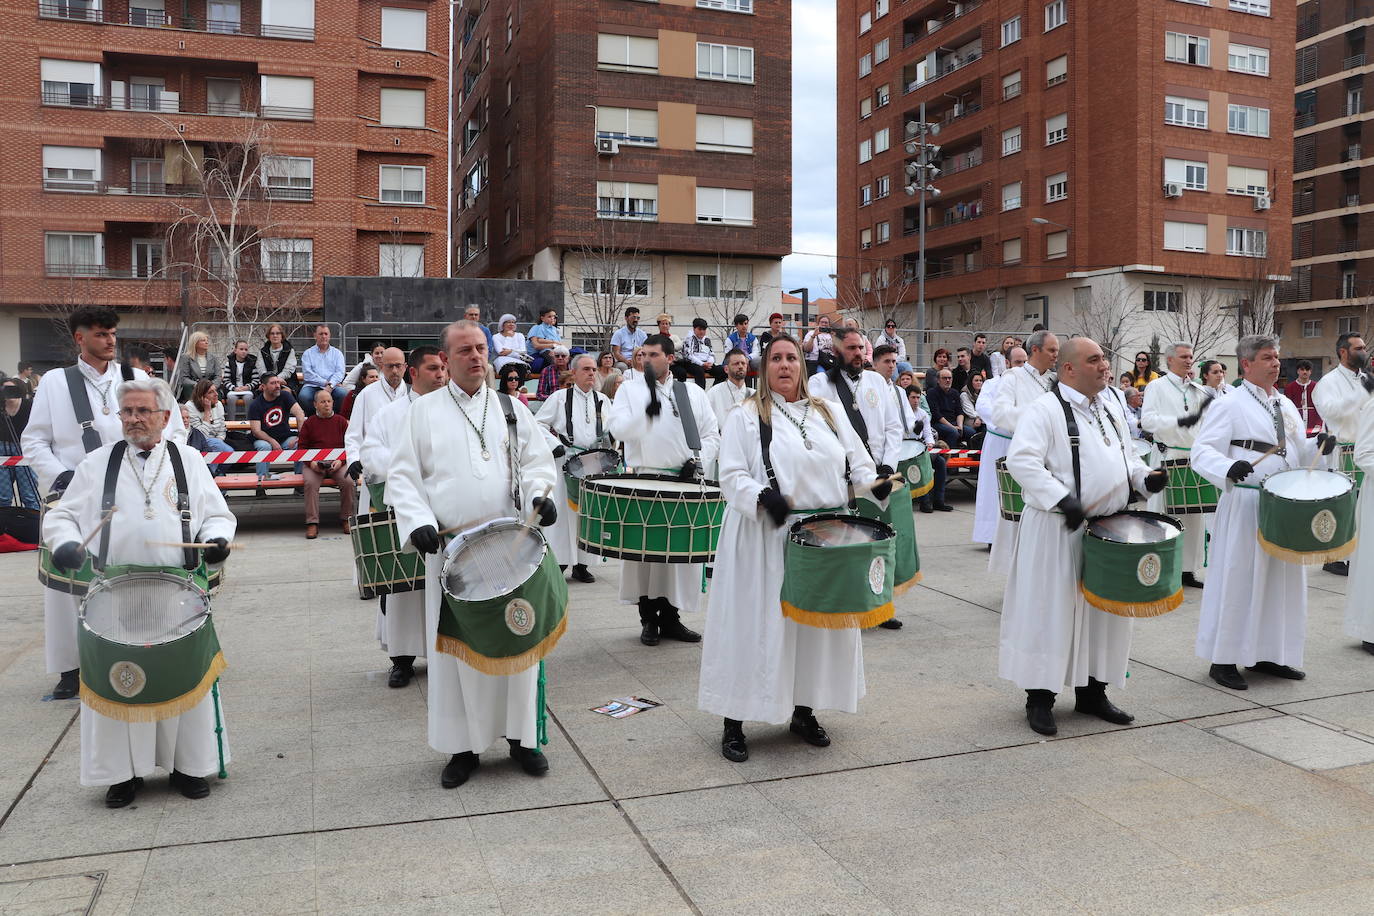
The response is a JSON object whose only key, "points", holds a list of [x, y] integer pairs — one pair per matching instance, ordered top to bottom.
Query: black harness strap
{"points": [[846, 397], [81, 407], [568, 413], [1072, 425], [107, 500], [189, 560]]}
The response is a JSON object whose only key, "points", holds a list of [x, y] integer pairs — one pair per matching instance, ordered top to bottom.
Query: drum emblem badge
{"points": [[872, 397], [171, 493], [1324, 526], [1148, 569], [877, 573], [519, 617], [127, 679]]}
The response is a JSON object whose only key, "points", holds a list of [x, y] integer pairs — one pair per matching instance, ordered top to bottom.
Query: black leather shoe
{"points": [[925, 507], [943, 507], [1339, 568], [580, 573], [1191, 580], [891, 624], [676, 630], [648, 634], [1368, 647], [1277, 670], [400, 676], [1228, 676], [68, 686], [1098, 705], [1041, 720], [810, 730], [733, 746], [531, 759], [458, 769], [190, 786], [122, 793]]}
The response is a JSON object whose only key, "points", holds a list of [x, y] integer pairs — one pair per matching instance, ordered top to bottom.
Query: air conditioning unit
{"points": [[607, 146], [1173, 189], [1262, 202], [865, 245]]}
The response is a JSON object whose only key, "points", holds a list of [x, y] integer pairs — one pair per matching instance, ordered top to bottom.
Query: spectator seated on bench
{"points": [[204, 414], [269, 418], [326, 429]]}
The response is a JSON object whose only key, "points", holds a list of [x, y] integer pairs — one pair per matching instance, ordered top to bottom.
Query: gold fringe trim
{"points": [[922, 489], [572, 505], [1305, 558], [908, 585], [1134, 608], [839, 621], [501, 667], [155, 712]]}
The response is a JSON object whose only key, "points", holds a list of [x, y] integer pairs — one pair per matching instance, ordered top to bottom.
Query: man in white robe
{"points": [[388, 389], [1017, 390], [726, 395], [1338, 396], [866, 398], [586, 409], [1170, 414], [655, 443], [54, 444], [450, 468], [987, 503], [1254, 606], [1359, 609], [400, 616], [1051, 637], [116, 753]]}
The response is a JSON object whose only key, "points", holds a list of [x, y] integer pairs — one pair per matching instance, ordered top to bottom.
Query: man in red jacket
{"points": [[1299, 391], [325, 430]]}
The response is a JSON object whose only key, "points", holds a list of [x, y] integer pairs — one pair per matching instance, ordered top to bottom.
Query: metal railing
{"points": [[158, 19], [931, 26], [957, 63], [69, 99], [164, 189], [100, 272]]}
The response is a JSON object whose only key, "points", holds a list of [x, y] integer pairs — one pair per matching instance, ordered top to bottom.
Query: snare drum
{"points": [[1142, 449], [584, 465], [1348, 465], [915, 466], [1188, 492], [1009, 497], [1307, 516], [649, 518], [906, 560], [1133, 564], [383, 568], [838, 572], [505, 599], [147, 643]]}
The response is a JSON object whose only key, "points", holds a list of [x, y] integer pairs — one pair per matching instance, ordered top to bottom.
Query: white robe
{"points": [[1017, 389], [724, 397], [1338, 397], [873, 399], [1169, 399], [365, 406], [553, 419], [656, 445], [438, 477], [987, 506], [1254, 606], [1359, 606], [401, 630], [1051, 637], [757, 664], [113, 751]]}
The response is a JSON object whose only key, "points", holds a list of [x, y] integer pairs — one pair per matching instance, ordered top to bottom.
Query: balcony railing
{"points": [[157, 19], [931, 26], [1353, 61], [950, 65], [1011, 90], [169, 103], [960, 112], [1304, 119], [1351, 153], [962, 162], [164, 189], [1352, 200], [642, 216], [1348, 245], [939, 269], [101, 272]]}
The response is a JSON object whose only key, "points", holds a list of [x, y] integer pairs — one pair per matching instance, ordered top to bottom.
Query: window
{"points": [[730, 6], [1255, 7], [879, 8], [1056, 14], [288, 18], [865, 23], [403, 29], [1011, 30], [1187, 49], [880, 51], [627, 52], [1245, 59], [731, 63], [865, 65], [1056, 70], [70, 82], [1011, 85], [146, 94], [882, 95], [223, 97], [289, 97], [1354, 100], [403, 107], [865, 107], [1185, 112], [1246, 119], [631, 126], [1056, 129], [725, 134], [882, 141], [1011, 141], [865, 150], [71, 168], [1192, 175], [146, 176], [288, 177], [1240, 180], [401, 184], [883, 186], [1056, 187], [866, 195], [1011, 196], [626, 200], [725, 205], [884, 231], [1181, 236], [865, 239], [1249, 243], [1056, 244], [1011, 251], [74, 254], [147, 257], [287, 259], [401, 260], [623, 278], [720, 281], [866, 281], [1348, 291], [1082, 299], [1163, 300], [1351, 323], [1312, 327]]}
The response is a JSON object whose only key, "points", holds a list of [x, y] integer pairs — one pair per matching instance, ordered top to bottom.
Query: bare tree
{"points": [[613, 273], [884, 289], [1254, 309], [989, 310], [1110, 318], [1200, 319]]}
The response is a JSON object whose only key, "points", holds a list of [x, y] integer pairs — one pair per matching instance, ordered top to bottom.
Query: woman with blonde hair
{"points": [[198, 363], [757, 663]]}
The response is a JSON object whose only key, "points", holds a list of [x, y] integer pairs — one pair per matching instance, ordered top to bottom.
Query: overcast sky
{"points": [[813, 148]]}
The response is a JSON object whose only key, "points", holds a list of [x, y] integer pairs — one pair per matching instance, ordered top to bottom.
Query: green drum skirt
{"points": [[1009, 498], [897, 514], [1307, 516], [1133, 564], [838, 572]]}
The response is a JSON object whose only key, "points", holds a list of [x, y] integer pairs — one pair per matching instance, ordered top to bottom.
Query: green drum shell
{"points": [[1348, 465], [919, 474], [573, 482], [1188, 492], [1009, 498], [898, 516], [647, 525], [1307, 531], [383, 568], [1121, 578], [832, 587]]}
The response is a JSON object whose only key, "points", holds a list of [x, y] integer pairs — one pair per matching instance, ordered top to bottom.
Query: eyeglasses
{"points": [[142, 413]]}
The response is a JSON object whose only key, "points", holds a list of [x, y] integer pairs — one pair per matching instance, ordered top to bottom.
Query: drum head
{"points": [[910, 449], [1142, 449], [596, 461], [1304, 484], [651, 485], [1134, 528], [838, 531], [492, 561], [144, 609]]}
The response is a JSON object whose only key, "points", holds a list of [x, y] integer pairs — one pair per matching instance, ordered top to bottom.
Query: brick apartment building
{"points": [[331, 119], [1138, 132], [640, 153], [1333, 219]]}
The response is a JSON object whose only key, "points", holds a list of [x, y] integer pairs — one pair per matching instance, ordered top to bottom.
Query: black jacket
{"points": [[231, 376]]}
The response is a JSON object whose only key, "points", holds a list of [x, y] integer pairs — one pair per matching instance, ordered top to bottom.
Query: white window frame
{"points": [[729, 6], [1253, 7], [1056, 14], [865, 22], [1011, 31], [399, 33], [606, 42], [1183, 48], [882, 51], [1247, 59], [865, 65], [743, 71], [1052, 78], [1011, 85], [391, 92], [882, 95], [865, 107], [270, 109], [1190, 112], [1248, 120], [621, 128], [731, 128], [1055, 132], [882, 140], [1011, 141], [865, 150], [1190, 174], [72, 177], [392, 179], [293, 180], [882, 186], [1056, 187], [1247, 189], [866, 195], [1011, 196], [629, 199], [709, 214], [882, 231], [1181, 235], [865, 238], [1056, 240], [1246, 243], [1008, 244], [294, 249], [402, 259], [94, 268], [622, 278], [712, 281], [1349, 290], [1162, 299], [1348, 324], [1311, 328]]}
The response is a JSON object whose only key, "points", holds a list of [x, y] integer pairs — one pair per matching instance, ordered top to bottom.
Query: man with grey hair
{"points": [[387, 390], [1338, 397], [1173, 403], [1254, 606]]}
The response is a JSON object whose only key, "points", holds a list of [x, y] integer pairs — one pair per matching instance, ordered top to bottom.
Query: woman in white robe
{"points": [[757, 664]]}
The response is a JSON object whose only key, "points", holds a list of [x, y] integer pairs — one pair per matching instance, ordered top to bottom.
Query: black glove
{"points": [[655, 407], [1193, 418], [919, 426], [1326, 443], [559, 451], [355, 470], [689, 470], [884, 470], [1239, 471], [1156, 480], [60, 484], [882, 490], [775, 505], [547, 511], [1073, 512], [426, 539], [219, 553], [70, 555]]}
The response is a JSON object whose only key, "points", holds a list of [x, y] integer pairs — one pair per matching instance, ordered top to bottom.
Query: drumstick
{"points": [[895, 479], [105, 520], [193, 545]]}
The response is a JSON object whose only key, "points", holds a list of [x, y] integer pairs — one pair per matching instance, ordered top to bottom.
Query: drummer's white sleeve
{"points": [[986, 399], [1003, 408], [548, 415], [1156, 415], [707, 426], [893, 428], [356, 431], [1364, 439], [36, 441], [739, 446], [375, 452], [1211, 454], [1029, 455], [538, 476], [405, 482], [80, 505], [208, 505]]}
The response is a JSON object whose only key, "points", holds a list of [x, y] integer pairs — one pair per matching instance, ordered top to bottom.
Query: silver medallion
{"points": [[105, 411], [809, 445], [486, 455], [148, 512]]}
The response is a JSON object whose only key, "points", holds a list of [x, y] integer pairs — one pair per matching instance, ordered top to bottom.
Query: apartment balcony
{"points": [[933, 19], [248, 24], [1353, 61], [915, 76], [168, 102], [1304, 119], [167, 189], [1352, 200], [949, 214], [1345, 245], [966, 258]]}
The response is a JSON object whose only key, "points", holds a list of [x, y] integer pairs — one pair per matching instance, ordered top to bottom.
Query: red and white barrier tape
{"points": [[956, 452], [278, 455]]}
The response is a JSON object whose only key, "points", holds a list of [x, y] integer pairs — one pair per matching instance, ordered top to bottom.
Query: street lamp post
{"points": [[921, 172], [805, 293]]}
